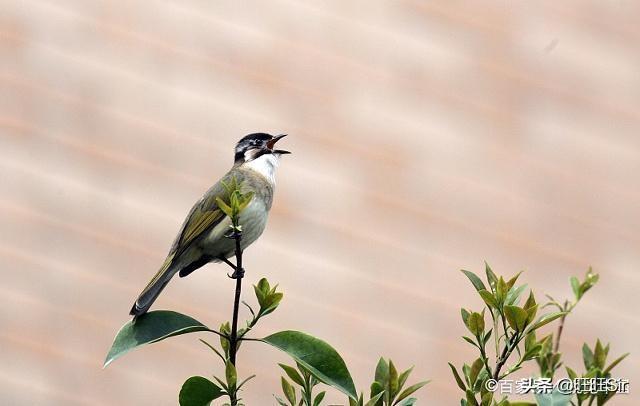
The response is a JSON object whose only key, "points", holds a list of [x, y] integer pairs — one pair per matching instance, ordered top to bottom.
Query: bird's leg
{"points": [[226, 261], [237, 273]]}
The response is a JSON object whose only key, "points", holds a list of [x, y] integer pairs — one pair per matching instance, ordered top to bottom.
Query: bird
{"points": [[203, 237]]}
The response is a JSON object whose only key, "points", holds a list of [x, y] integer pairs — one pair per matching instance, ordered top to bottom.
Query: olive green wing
{"points": [[204, 215]]}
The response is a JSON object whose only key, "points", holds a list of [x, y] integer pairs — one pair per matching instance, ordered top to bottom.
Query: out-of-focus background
{"points": [[427, 137]]}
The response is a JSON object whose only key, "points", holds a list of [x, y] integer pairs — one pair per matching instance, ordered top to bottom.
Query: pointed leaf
{"points": [[491, 277], [513, 280], [477, 282], [575, 286], [513, 296], [488, 298], [516, 316], [547, 318], [475, 323], [150, 328], [317, 356], [587, 356], [599, 356], [614, 363], [476, 367], [382, 371], [293, 374], [231, 375], [402, 378], [393, 380], [459, 380], [411, 389], [198, 391], [288, 391], [319, 397], [374, 399]]}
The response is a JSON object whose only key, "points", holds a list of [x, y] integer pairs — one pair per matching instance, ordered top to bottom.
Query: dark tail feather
{"points": [[153, 290]]}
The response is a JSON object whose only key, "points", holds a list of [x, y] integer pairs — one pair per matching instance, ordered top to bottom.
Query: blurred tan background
{"points": [[427, 137]]}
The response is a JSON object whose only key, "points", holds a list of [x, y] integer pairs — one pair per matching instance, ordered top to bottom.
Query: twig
{"points": [[237, 275], [567, 308], [508, 349]]}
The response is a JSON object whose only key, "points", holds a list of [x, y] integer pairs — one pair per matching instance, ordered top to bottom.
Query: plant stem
{"points": [[238, 275], [567, 308], [508, 349]]}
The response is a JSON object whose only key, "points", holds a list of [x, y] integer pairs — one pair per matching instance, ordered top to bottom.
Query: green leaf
{"points": [[226, 209], [491, 277], [513, 280], [477, 282], [575, 286], [501, 290], [513, 296], [488, 298], [531, 301], [531, 313], [465, 315], [516, 316], [546, 319], [475, 323], [150, 328], [225, 328], [530, 340], [317, 356], [587, 356], [599, 356], [614, 363], [476, 367], [382, 371], [293, 374], [231, 375], [402, 378], [393, 380], [459, 380], [377, 388], [411, 389], [199, 391], [288, 391], [318, 398], [374, 399], [471, 399], [486, 399], [280, 402], [407, 402]]}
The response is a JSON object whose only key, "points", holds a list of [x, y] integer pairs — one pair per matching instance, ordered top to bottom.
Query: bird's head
{"points": [[253, 146]]}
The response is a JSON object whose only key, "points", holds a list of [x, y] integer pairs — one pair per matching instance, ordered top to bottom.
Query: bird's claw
{"points": [[237, 274]]}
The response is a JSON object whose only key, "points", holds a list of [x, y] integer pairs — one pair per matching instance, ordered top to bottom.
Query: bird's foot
{"points": [[237, 274]]}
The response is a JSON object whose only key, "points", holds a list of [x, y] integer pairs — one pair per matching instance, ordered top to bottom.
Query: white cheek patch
{"points": [[266, 166]]}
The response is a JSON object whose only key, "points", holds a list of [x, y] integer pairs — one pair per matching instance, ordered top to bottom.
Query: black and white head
{"points": [[257, 151]]}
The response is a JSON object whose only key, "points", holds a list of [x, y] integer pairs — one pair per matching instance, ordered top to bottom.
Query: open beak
{"points": [[272, 143]]}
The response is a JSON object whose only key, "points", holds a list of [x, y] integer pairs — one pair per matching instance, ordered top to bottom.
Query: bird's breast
{"points": [[253, 220]]}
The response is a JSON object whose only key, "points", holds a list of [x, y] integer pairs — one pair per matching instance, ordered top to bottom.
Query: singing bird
{"points": [[202, 238]]}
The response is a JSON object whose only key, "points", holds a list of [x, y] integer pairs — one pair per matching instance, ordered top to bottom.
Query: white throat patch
{"points": [[266, 166]]}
